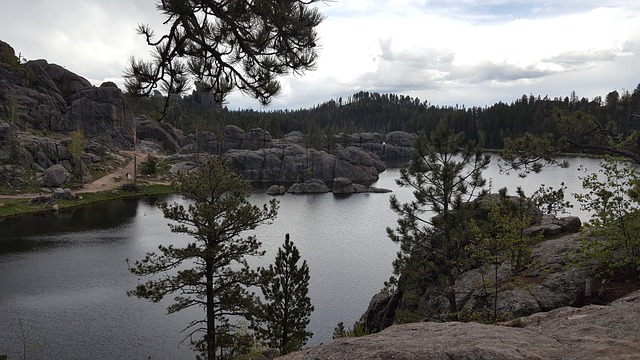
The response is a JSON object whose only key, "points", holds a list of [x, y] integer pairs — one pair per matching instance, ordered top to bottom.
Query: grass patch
{"points": [[16, 207]]}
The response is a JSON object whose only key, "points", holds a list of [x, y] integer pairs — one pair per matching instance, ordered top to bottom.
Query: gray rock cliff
{"points": [[47, 97], [590, 332]]}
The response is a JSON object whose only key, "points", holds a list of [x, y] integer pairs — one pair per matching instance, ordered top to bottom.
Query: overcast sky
{"points": [[471, 52]]}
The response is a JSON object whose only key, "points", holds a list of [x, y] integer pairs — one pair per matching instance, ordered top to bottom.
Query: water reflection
{"points": [[31, 232]]}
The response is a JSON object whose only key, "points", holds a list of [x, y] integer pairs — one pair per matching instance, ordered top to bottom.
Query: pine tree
{"points": [[219, 46], [434, 229], [218, 278], [283, 318]]}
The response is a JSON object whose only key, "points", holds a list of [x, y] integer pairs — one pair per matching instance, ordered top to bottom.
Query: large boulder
{"points": [[163, 134], [232, 137], [294, 137], [257, 139], [368, 141], [200, 142], [398, 144], [391, 145], [46, 153], [358, 165], [55, 176], [312, 186], [346, 186], [276, 190], [63, 194], [380, 313]]}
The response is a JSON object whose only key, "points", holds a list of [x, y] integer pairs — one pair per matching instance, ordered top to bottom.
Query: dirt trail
{"points": [[116, 178], [108, 182]]}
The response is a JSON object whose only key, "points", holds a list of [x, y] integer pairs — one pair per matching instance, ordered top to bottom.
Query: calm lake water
{"points": [[64, 278]]}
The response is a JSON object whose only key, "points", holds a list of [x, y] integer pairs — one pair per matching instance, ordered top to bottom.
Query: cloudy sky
{"points": [[471, 52]]}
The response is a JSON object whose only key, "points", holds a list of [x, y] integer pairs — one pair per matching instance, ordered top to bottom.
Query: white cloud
{"points": [[447, 51]]}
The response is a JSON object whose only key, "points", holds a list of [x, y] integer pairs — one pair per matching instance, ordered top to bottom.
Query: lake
{"points": [[64, 278]]}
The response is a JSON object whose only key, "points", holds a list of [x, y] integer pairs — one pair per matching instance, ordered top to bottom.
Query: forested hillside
{"points": [[382, 113]]}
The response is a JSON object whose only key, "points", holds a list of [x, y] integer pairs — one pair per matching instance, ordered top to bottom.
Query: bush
{"points": [[150, 165], [131, 188], [357, 330]]}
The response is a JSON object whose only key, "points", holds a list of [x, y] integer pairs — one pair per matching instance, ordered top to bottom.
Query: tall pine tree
{"points": [[433, 230], [211, 270], [282, 320]]}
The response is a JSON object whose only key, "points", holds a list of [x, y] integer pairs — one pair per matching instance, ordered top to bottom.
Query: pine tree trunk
{"points": [[451, 296], [211, 322]]}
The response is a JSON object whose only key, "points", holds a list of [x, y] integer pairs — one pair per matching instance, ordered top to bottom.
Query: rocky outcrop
{"points": [[66, 82], [28, 96], [48, 97], [103, 115], [164, 135], [233, 138], [396, 144], [399, 144], [260, 158], [292, 163], [312, 186], [346, 186], [276, 190], [62, 194], [548, 282], [590, 332]]}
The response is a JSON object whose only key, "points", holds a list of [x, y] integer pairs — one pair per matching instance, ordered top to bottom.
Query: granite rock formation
{"points": [[567, 333]]}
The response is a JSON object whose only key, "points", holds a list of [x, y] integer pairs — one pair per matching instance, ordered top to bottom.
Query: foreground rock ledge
{"points": [[590, 332]]}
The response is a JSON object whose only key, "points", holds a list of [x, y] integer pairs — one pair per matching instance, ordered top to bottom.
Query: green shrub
{"points": [[150, 165], [357, 330]]}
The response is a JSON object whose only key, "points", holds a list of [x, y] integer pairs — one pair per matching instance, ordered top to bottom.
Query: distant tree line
{"points": [[373, 112]]}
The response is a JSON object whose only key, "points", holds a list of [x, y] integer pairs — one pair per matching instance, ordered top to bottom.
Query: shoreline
{"points": [[19, 206]]}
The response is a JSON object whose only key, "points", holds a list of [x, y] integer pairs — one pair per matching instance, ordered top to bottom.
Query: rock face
{"points": [[48, 97], [102, 114], [167, 137], [233, 138], [396, 144], [292, 163], [547, 283], [591, 332]]}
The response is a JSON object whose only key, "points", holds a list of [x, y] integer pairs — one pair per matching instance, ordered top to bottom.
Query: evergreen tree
{"points": [[220, 46], [445, 173], [216, 216], [501, 238], [283, 318]]}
